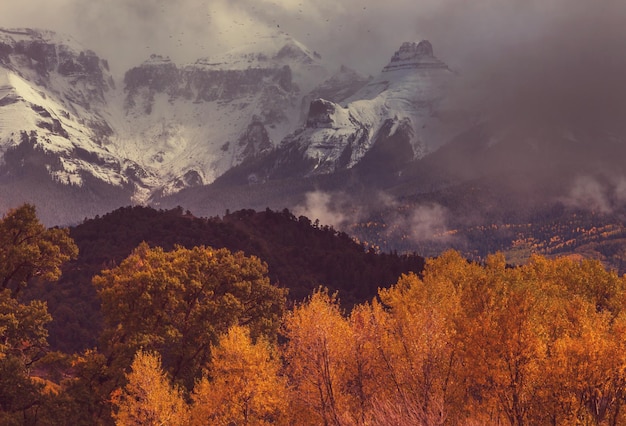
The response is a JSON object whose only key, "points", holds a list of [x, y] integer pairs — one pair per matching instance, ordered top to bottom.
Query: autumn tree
{"points": [[29, 250], [178, 303], [583, 321], [22, 328], [22, 342], [489, 344], [501, 344], [537, 344], [414, 350], [317, 354], [244, 386], [148, 398]]}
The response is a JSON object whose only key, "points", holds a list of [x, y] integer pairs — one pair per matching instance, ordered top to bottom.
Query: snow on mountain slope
{"points": [[273, 51], [408, 96], [52, 98], [187, 125], [167, 126]]}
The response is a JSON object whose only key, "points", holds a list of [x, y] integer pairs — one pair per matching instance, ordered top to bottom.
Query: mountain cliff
{"points": [[397, 117], [68, 127]]}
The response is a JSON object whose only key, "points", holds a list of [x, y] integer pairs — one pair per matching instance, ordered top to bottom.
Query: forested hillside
{"points": [[301, 256], [200, 335]]}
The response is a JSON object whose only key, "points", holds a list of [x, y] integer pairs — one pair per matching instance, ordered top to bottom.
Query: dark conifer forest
{"points": [[301, 256]]}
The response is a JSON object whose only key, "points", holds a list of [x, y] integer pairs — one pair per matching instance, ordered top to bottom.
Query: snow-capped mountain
{"points": [[53, 101], [398, 116], [188, 125], [165, 127]]}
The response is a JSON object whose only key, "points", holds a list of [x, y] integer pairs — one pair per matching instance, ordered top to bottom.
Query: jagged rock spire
{"points": [[414, 55]]}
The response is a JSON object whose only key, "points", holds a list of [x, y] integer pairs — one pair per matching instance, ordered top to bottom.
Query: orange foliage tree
{"points": [[466, 343], [317, 360], [244, 386], [148, 397]]}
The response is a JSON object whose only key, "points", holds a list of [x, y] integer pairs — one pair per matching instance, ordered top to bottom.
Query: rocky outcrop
{"points": [[44, 52], [414, 55], [390, 120], [254, 141]]}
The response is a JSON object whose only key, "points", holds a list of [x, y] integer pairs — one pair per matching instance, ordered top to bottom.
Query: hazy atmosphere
{"points": [[361, 33], [545, 57], [254, 233]]}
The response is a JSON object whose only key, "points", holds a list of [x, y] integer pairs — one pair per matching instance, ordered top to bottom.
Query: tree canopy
{"points": [[29, 250], [179, 302]]}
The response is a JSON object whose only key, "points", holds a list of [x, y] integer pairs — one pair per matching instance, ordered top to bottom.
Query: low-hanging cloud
{"points": [[589, 194], [600, 194], [320, 206], [428, 222], [425, 223], [420, 224]]}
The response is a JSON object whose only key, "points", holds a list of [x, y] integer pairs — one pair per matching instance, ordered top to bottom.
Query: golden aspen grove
{"points": [[200, 336]]}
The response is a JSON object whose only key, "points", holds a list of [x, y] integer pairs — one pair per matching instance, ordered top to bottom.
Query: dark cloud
{"points": [[531, 59], [544, 63]]}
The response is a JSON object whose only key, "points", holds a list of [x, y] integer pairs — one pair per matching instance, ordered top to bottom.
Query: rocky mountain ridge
{"points": [[401, 115], [165, 127]]}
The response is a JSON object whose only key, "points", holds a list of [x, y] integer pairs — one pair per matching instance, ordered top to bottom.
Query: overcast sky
{"points": [[359, 33], [553, 53]]}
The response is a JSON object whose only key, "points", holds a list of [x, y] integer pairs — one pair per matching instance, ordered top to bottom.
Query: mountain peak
{"points": [[14, 36], [424, 47], [268, 51], [414, 55]]}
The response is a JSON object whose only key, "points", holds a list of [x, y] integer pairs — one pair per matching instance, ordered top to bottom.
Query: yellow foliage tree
{"points": [[30, 251], [178, 303], [584, 325], [414, 350], [318, 362], [245, 387], [148, 398]]}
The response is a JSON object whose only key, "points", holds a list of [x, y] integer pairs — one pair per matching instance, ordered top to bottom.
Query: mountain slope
{"points": [[270, 105], [214, 113], [401, 113], [64, 121]]}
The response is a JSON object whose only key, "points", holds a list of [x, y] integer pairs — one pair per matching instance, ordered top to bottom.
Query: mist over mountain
{"points": [[444, 116], [168, 127]]}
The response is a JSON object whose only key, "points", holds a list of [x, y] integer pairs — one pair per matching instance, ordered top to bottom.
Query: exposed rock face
{"points": [[46, 54], [414, 55], [201, 84], [340, 86], [54, 91], [219, 111], [321, 114], [394, 117], [170, 126], [254, 141]]}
